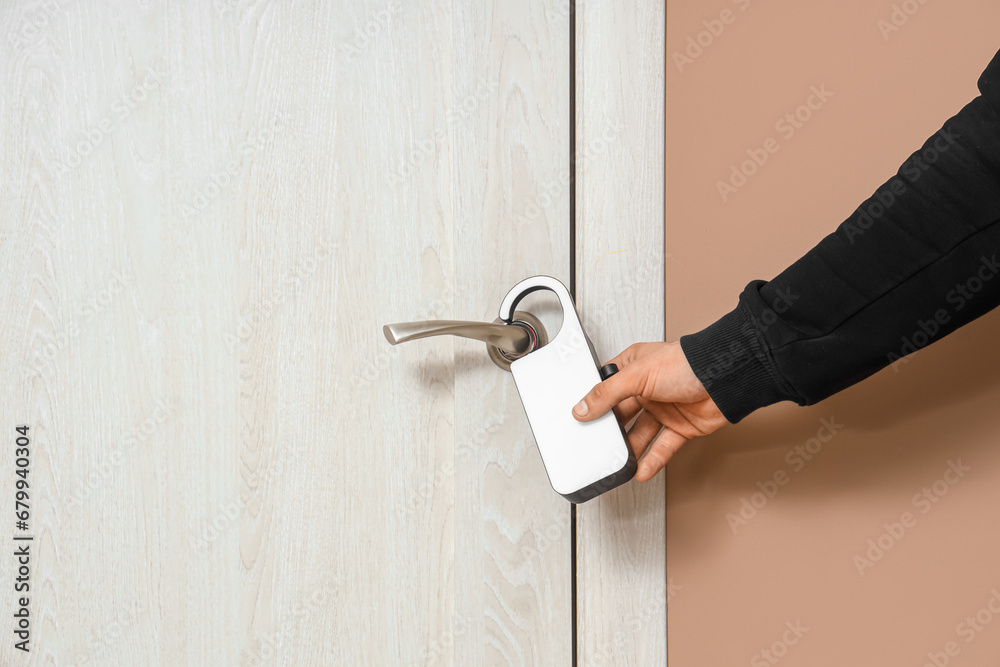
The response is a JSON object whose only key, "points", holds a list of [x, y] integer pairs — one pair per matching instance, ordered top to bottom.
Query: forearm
{"points": [[913, 263]]}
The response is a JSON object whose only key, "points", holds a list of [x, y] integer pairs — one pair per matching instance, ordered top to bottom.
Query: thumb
{"points": [[608, 394]]}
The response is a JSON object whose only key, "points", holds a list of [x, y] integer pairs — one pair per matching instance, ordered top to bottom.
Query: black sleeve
{"points": [[914, 262]]}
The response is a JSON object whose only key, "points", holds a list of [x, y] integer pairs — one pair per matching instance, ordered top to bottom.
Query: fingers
{"points": [[629, 354], [627, 383], [605, 395], [628, 409], [642, 432], [661, 451]]}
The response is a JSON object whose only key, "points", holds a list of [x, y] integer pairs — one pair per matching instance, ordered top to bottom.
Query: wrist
{"points": [[731, 363]]}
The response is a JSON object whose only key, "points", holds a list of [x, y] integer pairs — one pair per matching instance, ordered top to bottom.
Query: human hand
{"points": [[656, 379]]}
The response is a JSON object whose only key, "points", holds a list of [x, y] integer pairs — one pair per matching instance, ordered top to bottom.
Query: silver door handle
{"points": [[513, 340], [505, 341], [582, 460]]}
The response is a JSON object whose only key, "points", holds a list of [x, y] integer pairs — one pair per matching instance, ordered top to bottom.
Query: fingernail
{"points": [[581, 409], [643, 470]]}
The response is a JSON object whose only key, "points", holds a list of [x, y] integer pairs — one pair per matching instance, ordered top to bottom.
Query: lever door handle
{"points": [[511, 339], [505, 341], [582, 460]]}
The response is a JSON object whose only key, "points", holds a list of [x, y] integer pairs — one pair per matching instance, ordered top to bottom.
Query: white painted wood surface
{"points": [[209, 210], [512, 532], [621, 542]]}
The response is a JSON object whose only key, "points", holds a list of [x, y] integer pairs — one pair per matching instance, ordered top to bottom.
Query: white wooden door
{"points": [[209, 211]]}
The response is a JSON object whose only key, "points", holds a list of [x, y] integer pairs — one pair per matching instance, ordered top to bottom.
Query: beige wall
{"points": [[794, 561]]}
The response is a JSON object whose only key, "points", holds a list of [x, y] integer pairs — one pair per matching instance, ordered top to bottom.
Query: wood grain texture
{"points": [[210, 210], [513, 537], [512, 564], [621, 575]]}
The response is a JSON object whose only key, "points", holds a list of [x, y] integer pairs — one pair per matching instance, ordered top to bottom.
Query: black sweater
{"points": [[914, 262]]}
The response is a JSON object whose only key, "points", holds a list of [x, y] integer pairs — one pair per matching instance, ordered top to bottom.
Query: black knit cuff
{"points": [[728, 359]]}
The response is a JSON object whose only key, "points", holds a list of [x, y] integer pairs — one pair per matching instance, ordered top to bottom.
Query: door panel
{"points": [[265, 186], [512, 532], [621, 587]]}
